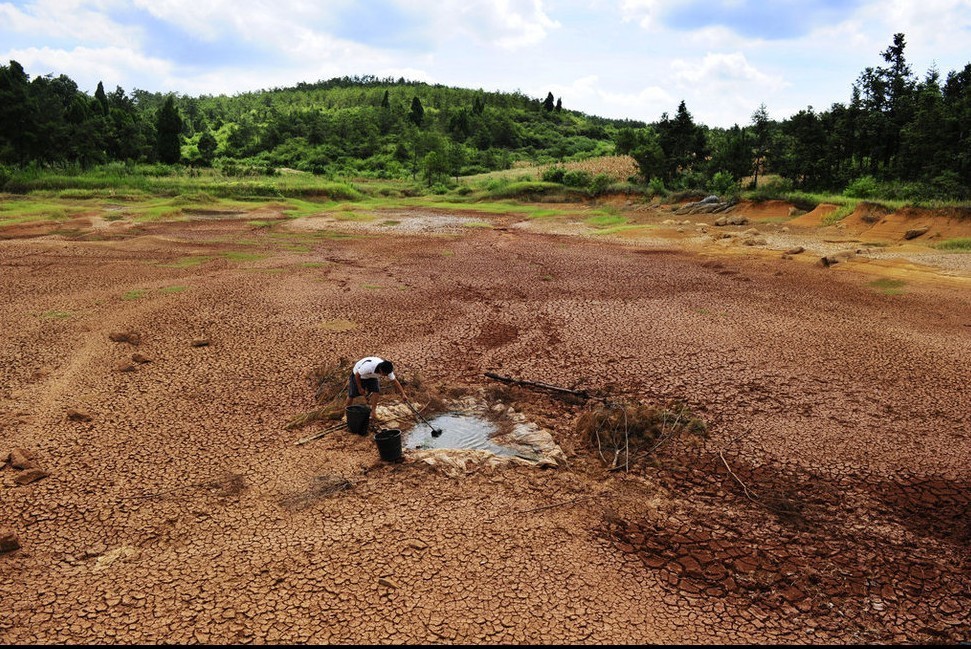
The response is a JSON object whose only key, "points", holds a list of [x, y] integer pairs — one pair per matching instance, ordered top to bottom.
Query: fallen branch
{"points": [[545, 386], [310, 438], [744, 488]]}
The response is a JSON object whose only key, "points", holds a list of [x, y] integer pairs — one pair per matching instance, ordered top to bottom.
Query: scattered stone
{"points": [[709, 205], [734, 219], [916, 232], [795, 251], [832, 260], [129, 337], [200, 342], [140, 358], [124, 366], [78, 415], [21, 459], [30, 475], [8, 540], [387, 583]]}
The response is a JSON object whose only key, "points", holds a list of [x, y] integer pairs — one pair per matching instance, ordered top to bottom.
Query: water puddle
{"points": [[458, 431]]}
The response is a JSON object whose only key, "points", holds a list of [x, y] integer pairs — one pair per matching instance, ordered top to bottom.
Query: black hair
{"points": [[385, 367]]}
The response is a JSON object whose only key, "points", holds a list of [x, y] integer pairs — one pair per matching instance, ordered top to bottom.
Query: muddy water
{"points": [[458, 431]]}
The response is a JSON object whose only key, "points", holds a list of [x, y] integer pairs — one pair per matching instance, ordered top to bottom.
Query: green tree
{"points": [[101, 98], [549, 104], [417, 114], [18, 128], [169, 132], [682, 141], [760, 142], [207, 148], [731, 152], [649, 156]]}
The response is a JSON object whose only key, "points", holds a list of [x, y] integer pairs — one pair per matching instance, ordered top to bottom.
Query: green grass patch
{"points": [[17, 212], [839, 213], [606, 221], [260, 224], [960, 244], [889, 286], [172, 289], [134, 294]]}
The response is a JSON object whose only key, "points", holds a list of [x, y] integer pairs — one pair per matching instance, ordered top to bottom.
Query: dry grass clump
{"points": [[623, 434]]}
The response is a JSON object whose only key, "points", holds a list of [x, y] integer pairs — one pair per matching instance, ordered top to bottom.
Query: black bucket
{"points": [[358, 418], [389, 444]]}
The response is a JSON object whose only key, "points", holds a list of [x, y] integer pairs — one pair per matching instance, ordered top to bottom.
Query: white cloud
{"points": [[642, 12], [75, 21], [508, 24], [87, 66], [717, 69]]}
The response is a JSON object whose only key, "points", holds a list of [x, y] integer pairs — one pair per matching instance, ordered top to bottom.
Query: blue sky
{"points": [[631, 59]]}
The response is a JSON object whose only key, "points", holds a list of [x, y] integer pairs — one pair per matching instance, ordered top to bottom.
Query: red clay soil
{"points": [[153, 492]]}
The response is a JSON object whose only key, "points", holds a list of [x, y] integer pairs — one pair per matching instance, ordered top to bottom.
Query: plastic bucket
{"points": [[358, 417], [389, 444]]}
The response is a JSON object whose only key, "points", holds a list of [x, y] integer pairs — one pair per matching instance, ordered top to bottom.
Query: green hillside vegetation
{"points": [[898, 138]]}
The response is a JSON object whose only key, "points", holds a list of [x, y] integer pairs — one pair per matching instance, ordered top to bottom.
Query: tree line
{"points": [[898, 135]]}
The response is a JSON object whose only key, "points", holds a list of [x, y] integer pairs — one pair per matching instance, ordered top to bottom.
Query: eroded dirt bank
{"points": [[829, 502]]}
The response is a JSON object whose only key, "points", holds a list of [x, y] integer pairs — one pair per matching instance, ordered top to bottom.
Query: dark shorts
{"points": [[370, 385]]}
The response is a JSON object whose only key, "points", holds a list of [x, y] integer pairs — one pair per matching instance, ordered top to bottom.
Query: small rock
{"points": [[916, 232], [795, 251], [130, 337], [200, 342], [140, 358], [124, 366], [77, 415], [21, 459], [30, 475], [8, 540], [387, 583]]}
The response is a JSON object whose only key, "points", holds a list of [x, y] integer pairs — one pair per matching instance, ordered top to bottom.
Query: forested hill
{"points": [[904, 136]]}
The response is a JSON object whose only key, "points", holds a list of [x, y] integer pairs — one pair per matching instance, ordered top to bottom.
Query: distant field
{"points": [[618, 167]]}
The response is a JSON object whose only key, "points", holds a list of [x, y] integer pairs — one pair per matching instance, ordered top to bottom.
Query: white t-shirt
{"points": [[366, 366]]}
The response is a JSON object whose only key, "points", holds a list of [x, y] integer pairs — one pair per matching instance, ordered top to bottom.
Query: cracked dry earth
{"points": [[152, 492]]}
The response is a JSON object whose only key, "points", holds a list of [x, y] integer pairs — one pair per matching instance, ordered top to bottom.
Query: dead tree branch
{"points": [[533, 384]]}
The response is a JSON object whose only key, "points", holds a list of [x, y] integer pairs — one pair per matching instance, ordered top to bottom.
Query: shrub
{"points": [[554, 175], [576, 178], [600, 183], [723, 184], [656, 187], [862, 187], [778, 188]]}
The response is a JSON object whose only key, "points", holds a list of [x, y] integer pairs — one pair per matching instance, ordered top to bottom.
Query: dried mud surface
{"points": [[148, 374]]}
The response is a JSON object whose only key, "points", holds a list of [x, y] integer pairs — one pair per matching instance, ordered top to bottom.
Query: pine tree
{"points": [[169, 127]]}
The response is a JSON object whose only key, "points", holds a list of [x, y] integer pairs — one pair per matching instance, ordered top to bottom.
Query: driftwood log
{"points": [[533, 384]]}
